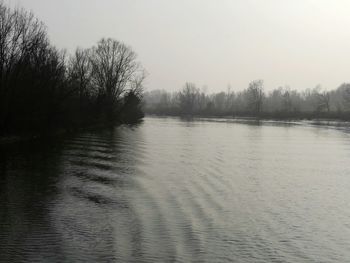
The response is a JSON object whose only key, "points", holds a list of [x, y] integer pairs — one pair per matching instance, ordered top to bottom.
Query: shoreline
{"points": [[296, 121], [325, 122], [12, 139]]}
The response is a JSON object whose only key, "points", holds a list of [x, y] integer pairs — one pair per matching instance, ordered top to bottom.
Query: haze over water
{"points": [[171, 190]]}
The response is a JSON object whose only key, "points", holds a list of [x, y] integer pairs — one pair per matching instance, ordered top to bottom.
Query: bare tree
{"points": [[25, 59], [113, 68], [80, 71], [137, 83], [39, 88], [345, 90], [255, 95], [187, 98], [286, 100], [323, 101]]}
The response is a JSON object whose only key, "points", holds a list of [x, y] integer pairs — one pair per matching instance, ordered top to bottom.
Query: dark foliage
{"points": [[42, 90], [131, 111]]}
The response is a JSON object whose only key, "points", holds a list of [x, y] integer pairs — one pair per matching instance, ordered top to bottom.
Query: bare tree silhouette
{"points": [[40, 89], [255, 95]]}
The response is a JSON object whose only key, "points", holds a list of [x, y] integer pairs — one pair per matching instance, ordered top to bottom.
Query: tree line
{"points": [[43, 88], [280, 103]]}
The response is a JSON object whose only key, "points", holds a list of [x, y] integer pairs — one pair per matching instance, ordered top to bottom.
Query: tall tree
{"points": [[114, 67], [31, 71], [255, 95], [188, 97]]}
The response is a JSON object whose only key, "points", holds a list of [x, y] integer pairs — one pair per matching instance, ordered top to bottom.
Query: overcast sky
{"points": [[300, 43]]}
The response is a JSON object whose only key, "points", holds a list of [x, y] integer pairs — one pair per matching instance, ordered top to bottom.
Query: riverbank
{"points": [[294, 121], [11, 139]]}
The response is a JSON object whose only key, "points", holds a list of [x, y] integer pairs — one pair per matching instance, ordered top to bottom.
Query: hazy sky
{"points": [[300, 43]]}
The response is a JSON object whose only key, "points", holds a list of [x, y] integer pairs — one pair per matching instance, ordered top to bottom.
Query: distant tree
{"points": [[345, 94], [255, 95], [187, 98], [202, 100], [230, 100], [286, 100], [319, 100], [220, 101], [164, 102], [323, 102], [279, 103]]}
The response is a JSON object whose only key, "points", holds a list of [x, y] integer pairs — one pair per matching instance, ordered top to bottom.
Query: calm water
{"points": [[179, 191]]}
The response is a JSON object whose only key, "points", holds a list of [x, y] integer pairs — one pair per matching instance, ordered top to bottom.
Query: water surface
{"points": [[171, 190]]}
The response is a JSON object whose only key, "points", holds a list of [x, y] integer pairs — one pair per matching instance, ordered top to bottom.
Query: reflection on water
{"points": [[178, 190]]}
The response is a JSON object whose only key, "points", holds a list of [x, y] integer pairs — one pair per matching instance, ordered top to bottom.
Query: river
{"points": [[172, 190]]}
